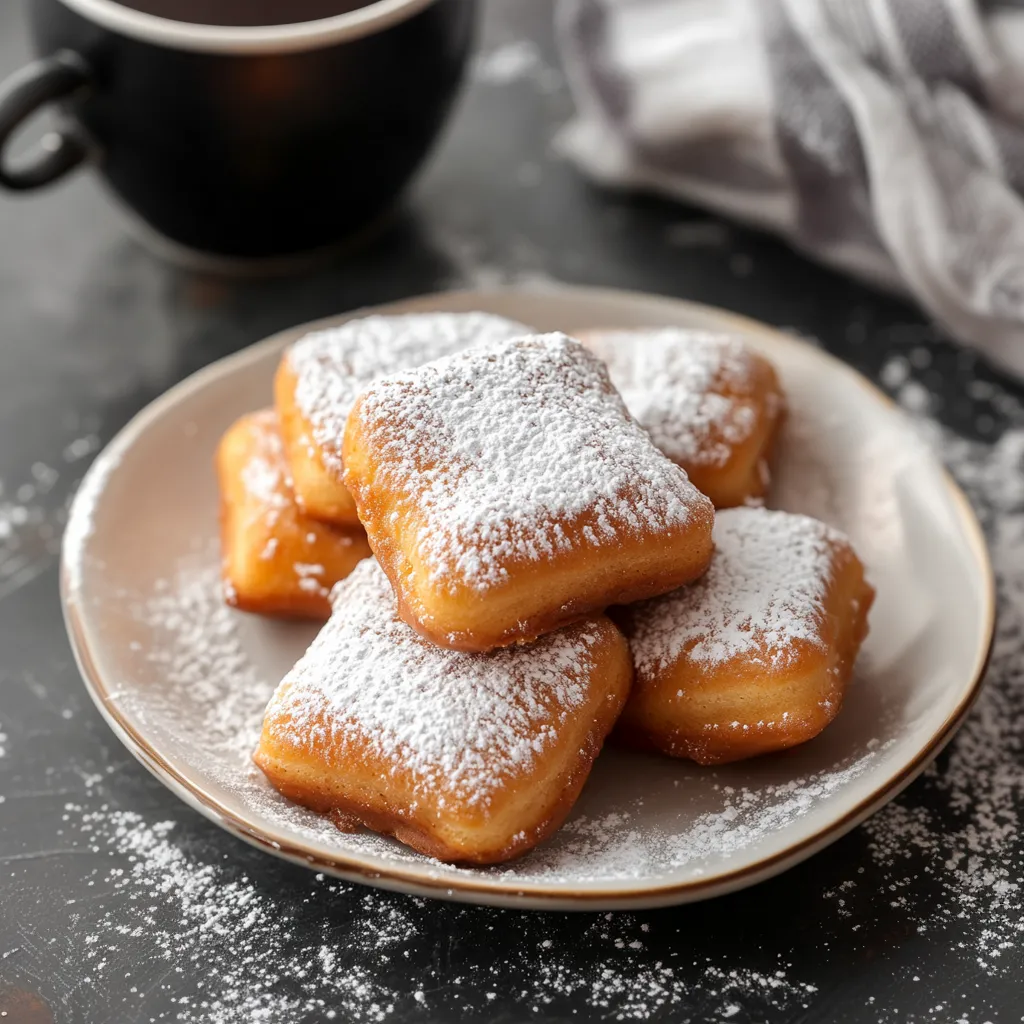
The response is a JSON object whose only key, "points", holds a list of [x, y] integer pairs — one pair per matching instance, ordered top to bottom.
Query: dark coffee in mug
{"points": [[245, 12], [236, 141]]}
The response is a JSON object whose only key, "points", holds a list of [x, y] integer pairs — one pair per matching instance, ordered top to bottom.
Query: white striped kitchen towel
{"points": [[885, 137]]}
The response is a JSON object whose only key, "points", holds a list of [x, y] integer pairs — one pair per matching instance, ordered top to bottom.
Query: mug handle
{"points": [[26, 91]]}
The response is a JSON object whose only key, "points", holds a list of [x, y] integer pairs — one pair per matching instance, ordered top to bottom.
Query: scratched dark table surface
{"points": [[102, 902]]}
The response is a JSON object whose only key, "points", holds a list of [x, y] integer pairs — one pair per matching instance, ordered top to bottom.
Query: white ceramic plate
{"points": [[182, 680]]}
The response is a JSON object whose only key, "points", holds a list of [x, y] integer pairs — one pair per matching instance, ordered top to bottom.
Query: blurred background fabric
{"points": [[885, 137]]}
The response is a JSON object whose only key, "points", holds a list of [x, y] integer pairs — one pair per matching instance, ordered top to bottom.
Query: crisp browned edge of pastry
{"points": [[392, 560], [527, 630]]}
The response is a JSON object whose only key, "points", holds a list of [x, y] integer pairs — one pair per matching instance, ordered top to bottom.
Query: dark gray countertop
{"points": [[109, 913]]}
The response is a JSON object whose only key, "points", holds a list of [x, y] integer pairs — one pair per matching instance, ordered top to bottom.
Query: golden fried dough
{"points": [[321, 374], [709, 402], [506, 492], [275, 559], [756, 655], [465, 757]]}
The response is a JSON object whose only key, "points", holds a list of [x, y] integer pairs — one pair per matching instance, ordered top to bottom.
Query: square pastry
{"points": [[322, 373], [709, 401], [506, 491], [275, 559], [757, 654], [466, 757]]}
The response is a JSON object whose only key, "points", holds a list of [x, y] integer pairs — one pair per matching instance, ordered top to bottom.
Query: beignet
{"points": [[506, 492], [756, 655], [466, 757]]}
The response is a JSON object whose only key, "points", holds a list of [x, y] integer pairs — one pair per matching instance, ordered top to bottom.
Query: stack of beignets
{"points": [[513, 487]]}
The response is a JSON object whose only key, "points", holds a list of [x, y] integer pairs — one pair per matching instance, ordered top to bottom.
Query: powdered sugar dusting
{"points": [[333, 366], [672, 381], [496, 451], [264, 475], [32, 516], [763, 593], [198, 648], [463, 724], [962, 826], [614, 845], [234, 934], [240, 945]]}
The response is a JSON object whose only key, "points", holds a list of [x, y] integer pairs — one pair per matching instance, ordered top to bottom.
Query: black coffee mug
{"points": [[241, 142]]}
